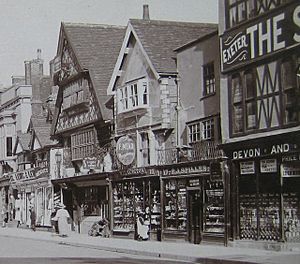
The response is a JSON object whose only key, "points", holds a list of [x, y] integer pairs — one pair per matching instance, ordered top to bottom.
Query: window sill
{"points": [[207, 96]]}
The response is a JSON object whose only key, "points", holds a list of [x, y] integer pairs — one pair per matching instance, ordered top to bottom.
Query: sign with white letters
{"points": [[262, 37]]}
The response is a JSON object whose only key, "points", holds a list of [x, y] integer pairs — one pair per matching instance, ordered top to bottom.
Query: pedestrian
{"points": [[18, 210], [4, 215], [32, 218], [63, 218], [54, 223]]}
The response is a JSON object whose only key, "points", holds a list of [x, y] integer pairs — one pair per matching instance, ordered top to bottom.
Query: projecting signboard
{"points": [[262, 37], [125, 149]]}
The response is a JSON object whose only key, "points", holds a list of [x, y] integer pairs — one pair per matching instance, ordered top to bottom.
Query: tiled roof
{"points": [[161, 38], [97, 48], [42, 130], [24, 140]]}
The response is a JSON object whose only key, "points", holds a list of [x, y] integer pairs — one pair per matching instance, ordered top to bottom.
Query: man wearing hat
{"points": [[62, 216]]}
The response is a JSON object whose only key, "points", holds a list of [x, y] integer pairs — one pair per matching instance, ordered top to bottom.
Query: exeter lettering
{"points": [[236, 45]]}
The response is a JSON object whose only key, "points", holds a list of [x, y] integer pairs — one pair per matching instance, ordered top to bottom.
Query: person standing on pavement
{"points": [[18, 210], [4, 215], [32, 218], [63, 218]]}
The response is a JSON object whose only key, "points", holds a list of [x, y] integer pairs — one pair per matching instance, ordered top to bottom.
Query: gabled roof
{"points": [[159, 39], [96, 48], [40, 131], [23, 140]]}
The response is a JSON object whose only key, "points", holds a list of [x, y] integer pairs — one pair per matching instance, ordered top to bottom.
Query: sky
{"points": [[27, 25]]}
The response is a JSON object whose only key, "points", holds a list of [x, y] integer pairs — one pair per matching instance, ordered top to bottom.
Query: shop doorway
{"points": [[195, 219]]}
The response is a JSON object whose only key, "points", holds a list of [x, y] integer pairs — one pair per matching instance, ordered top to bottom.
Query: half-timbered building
{"points": [[86, 55], [260, 99]]}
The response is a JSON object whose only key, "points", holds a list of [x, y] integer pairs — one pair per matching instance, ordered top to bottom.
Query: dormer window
{"points": [[133, 95]]}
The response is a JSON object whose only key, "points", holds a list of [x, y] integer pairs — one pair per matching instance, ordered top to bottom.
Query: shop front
{"points": [[267, 180], [34, 190], [136, 197], [86, 198], [193, 202]]}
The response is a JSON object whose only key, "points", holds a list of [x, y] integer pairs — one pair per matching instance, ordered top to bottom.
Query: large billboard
{"points": [[268, 34]]}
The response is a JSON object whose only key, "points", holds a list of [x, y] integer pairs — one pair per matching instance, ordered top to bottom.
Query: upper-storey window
{"points": [[241, 10], [209, 79], [75, 93], [133, 95], [265, 97], [201, 130], [83, 144], [9, 147]]}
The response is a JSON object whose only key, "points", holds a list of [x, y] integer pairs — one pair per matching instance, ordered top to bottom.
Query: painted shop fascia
{"points": [[265, 36]]}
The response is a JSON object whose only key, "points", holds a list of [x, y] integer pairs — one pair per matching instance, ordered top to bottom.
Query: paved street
{"points": [[22, 250]]}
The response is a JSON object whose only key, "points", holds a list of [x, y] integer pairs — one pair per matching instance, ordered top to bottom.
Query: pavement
{"points": [[206, 254]]}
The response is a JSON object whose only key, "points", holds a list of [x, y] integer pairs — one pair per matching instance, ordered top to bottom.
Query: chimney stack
{"points": [[146, 12], [39, 54]]}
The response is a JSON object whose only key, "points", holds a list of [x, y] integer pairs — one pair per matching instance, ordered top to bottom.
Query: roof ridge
{"points": [[174, 22], [90, 25]]}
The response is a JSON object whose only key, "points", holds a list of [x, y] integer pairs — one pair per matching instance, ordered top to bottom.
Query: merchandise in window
{"points": [[175, 205]]}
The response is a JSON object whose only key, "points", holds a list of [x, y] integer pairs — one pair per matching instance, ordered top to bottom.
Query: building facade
{"points": [[260, 98]]}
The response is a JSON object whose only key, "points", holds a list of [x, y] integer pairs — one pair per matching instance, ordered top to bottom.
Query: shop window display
{"points": [[136, 199], [175, 205], [214, 207]]}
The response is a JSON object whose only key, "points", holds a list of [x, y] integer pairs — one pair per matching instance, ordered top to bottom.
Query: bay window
{"points": [[133, 95], [201, 130]]}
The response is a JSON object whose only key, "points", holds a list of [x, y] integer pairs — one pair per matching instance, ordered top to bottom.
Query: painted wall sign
{"points": [[262, 37], [125, 149], [258, 151], [268, 166], [247, 167], [186, 170], [42, 172], [23, 175]]}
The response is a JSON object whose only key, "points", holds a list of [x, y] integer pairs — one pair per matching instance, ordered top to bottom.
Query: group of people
{"points": [[60, 218]]}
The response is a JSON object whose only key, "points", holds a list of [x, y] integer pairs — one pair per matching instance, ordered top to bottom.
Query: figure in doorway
{"points": [[18, 203]]}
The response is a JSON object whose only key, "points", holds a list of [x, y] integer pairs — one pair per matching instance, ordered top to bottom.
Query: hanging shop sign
{"points": [[264, 36], [125, 149], [91, 163], [268, 165], [247, 167], [289, 170], [215, 171], [194, 182]]}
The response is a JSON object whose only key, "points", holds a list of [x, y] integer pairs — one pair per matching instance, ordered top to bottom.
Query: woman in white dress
{"points": [[18, 204], [62, 216]]}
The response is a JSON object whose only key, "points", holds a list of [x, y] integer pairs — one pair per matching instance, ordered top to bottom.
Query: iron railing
{"points": [[206, 150]]}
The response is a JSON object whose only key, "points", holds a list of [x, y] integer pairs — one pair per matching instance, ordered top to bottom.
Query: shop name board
{"points": [[275, 32], [125, 149], [257, 152], [186, 170], [42, 172], [139, 172], [23, 175]]}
